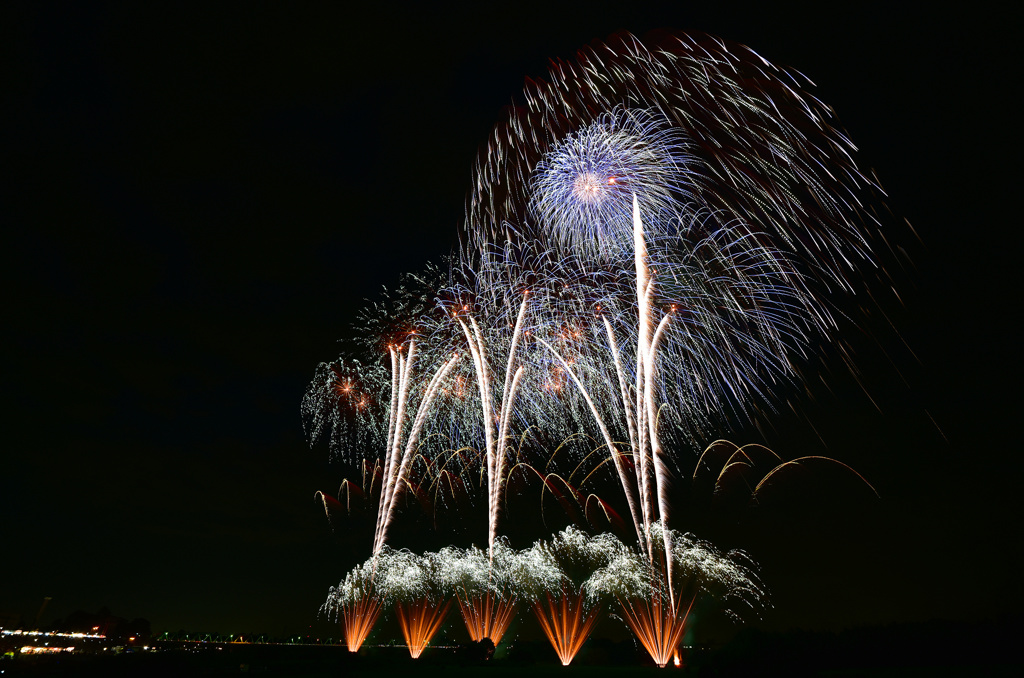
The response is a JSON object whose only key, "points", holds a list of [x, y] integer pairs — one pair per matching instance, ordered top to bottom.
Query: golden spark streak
{"points": [[487, 616], [359, 620], [420, 621], [566, 623], [659, 627]]}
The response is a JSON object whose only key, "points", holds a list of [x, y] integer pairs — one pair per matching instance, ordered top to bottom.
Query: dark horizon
{"points": [[201, 199]]}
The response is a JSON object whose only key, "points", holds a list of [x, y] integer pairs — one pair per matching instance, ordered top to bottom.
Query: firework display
{"points": [[653, 245]]}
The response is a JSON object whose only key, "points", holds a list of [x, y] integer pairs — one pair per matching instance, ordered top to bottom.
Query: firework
{"points": [[756, 147], [583, 187], [755, 210], [654, 242], [741, 318], [641, 414], [495, 421], [398, 462], [758, 467], [565, 579], [410, 582], [482, 586], [642, 587], [354, 600], [566, 614], [420, 620], [566, 622], [658, 625]]}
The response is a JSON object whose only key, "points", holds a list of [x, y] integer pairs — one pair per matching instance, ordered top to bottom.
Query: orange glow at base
{"points": [[487, 616], [359, 620], [420, 621], [566, 623], [657, 626], [675, 658]]}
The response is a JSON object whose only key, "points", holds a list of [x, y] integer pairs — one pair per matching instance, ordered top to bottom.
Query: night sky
{"points": [[197, 202]]}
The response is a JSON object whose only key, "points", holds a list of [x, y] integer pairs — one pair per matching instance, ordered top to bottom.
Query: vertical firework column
{"points": [[483, 588], [488, 613], [566, 615], [359, 618], [417, 618], [420, 620], [566, 620], [657, 622]]}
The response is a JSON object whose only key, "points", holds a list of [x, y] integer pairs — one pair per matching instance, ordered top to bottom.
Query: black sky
{"points": [[197, 201]]}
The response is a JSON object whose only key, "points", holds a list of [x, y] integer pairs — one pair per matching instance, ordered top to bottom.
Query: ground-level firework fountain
{"points": [[566, 580], [482, 586], [487, 615], [358, 619], [420, 620], [567, 622], [658, 625]]}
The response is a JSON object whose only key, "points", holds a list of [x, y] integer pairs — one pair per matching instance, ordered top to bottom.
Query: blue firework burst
{"points": [[582, 190]]}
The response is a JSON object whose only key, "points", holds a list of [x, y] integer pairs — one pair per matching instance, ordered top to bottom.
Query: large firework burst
{"points": [[751, 144], [583, 188]]}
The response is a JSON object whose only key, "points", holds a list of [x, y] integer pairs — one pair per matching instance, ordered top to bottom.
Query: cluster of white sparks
{"points": [[601, 567]]}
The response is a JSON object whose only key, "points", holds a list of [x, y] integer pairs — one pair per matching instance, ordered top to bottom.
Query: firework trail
{"points": [[427, 326], [643, 420], [495, 421], [763, 461], [397, 465]]}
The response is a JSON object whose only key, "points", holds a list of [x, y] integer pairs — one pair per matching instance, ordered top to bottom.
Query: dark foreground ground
{"points": [[935, 649]]}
